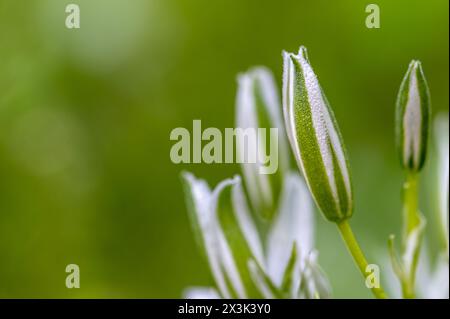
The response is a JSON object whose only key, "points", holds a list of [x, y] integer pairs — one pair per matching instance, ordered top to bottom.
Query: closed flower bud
{"points": [[258, 110], [412, 118], [315, 138]]}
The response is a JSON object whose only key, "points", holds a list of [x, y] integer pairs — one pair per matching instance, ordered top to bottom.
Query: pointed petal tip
{"points": [[303, 51], [301, 55], [286, 57], [415, 64], [236, 179]]}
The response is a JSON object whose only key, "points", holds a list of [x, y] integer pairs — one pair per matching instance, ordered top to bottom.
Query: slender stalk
{"points": [[411, 220], [357, 254]]}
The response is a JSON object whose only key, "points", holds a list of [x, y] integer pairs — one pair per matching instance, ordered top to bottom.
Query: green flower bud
{"points": [[412, 118], [315, 138]]}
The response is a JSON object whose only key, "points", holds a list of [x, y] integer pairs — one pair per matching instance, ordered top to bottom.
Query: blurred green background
{"points": [[85, 117]]}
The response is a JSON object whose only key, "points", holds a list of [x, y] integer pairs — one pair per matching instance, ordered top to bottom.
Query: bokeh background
{"points": [[85, 117]]}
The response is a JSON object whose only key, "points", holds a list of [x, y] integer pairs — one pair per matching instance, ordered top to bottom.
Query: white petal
{"points": [[288, 105], [274, 109], [412, 121], [258, 184], [245, 221], [294, 223], [209, 229], [412, 242], [226, 257], [389, 278], [259, 280], [432, 282], [317, 284], [438, 288]]}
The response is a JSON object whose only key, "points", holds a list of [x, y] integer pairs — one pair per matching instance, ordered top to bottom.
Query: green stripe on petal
{"points": [[412, 118], [315, 138], [205, 226], [240, 233], [288, 276], [264, 282]]}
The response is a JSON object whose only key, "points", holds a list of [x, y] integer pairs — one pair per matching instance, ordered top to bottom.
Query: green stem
{"points": [[411, 216], [411, 220], [357, 254]]}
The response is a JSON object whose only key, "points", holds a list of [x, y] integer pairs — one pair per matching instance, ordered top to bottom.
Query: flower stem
{"points": [[411, 220], [357, 254]]}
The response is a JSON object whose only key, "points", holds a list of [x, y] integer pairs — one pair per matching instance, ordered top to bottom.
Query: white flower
{"points": [[241, 267]]}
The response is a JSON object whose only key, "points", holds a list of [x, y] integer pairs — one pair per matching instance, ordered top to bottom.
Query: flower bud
{"points": [[258, 109], [412, 118], [315, 138]]}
